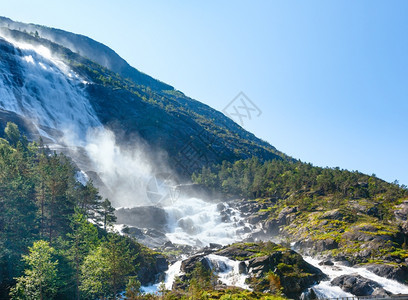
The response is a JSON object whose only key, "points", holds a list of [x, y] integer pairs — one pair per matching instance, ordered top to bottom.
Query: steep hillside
{"points": [[88, 48], [164, 118], [329, 213]]}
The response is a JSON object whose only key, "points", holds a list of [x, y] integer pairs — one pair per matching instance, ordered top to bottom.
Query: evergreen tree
{"points": [[12, 133], [89, 201], [107, 213], [18, 227], [83, 238], [108, 268], [40, 279], [133, 288]]}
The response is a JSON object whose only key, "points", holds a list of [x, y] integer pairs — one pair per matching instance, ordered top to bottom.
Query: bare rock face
{"points": [[401, 214], [143, 217], [395, 272], [359, 286]]}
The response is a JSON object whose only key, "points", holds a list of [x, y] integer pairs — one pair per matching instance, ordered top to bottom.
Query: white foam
{"points": [[82, 177], [195, 222], [337, 270], [228, 271], [170, 276]]}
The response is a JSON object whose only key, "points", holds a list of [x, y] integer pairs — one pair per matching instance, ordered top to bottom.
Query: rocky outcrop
{"points": [[401, 214], [333, 215], [286, 216], [143, 217], [151, 238], [257, 261], [188, 265], [152, 270], [395, 272], [294, 273], [359, 286]]}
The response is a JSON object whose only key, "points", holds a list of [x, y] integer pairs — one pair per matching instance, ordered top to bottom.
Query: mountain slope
{"points": [[88, 48], [141, 106]]}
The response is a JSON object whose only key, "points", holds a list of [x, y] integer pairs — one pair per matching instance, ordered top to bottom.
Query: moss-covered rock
{"points": [[263, 260]]}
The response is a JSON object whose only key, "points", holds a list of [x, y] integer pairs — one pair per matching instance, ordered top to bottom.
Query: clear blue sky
{"points": [[331, 77]]}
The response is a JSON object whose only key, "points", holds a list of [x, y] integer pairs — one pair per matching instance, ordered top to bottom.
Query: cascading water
{"points": [[41, 88], [195, 222], [198, 223], [228, 271], [170, 275], [325, 289]]}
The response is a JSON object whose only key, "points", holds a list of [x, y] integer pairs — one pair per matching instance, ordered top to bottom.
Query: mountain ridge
{"points": [[87, 47], [166, 119]]}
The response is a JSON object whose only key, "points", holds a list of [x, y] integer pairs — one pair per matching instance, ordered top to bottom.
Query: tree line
{"points": [[278, 179], [53, 238]]}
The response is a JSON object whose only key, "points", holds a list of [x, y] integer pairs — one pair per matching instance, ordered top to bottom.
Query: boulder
{"points": [[401, 212], [332, 215], [285, 216], [143, 217], [257, 218], [271, 227], [151, 238], [326, 244], [215, 246], [234, 251], [326, 262], [188, 265], [242, 268], [150, 271], [395, 272], [359, 285], [310, 294]]}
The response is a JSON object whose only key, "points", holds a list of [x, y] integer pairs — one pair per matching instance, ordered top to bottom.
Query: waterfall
{"points": [[43, 89], [196, 222], [228, 271], [170, 276], [325, 289]]}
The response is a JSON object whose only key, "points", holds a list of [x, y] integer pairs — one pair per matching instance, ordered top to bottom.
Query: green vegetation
{"points": [[280, 179], [342, 213], [48, 247], [40, 279], [201, 283], [222, 294]]}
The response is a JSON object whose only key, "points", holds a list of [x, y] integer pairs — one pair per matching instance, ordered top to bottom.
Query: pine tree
{"points": [[89, 201], [107, 213], [18, 226], [82, 239], [108, 268], [40, 279], [133, 288]]}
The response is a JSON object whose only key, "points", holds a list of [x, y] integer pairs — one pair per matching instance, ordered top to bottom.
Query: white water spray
{"points": [[195, 222], [228, 271], [327, 290]]}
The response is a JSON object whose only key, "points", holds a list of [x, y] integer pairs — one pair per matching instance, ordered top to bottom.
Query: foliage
{"points": [[280, 179], [352, 211], [45, 212], [107, 214], [107, 268], [40, 279], [201, 279], [133, 288], [224, 294]]}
